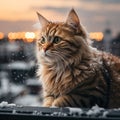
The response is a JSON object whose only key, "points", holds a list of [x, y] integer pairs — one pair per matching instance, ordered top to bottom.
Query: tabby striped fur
{"points": [[70, 69]]}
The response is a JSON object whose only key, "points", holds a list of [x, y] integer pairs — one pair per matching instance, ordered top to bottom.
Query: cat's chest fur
{"points": [[58, 80]]}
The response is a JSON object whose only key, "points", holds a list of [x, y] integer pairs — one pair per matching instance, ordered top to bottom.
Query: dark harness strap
{"points": [[107, 76]]}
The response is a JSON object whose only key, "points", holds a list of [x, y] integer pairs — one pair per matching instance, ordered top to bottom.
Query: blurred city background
{"points": [[19, 30]]}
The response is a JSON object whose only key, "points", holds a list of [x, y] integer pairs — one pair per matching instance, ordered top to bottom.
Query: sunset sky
{"points": [[95, 15]]}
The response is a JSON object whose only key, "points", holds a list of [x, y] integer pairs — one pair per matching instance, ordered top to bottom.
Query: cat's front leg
{"points": [[48, 101], [63, 101]]}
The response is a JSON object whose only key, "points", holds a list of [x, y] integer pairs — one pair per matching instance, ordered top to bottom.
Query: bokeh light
{"points": [[1, 35], [30, 35], [25, 36], [96, 36]]}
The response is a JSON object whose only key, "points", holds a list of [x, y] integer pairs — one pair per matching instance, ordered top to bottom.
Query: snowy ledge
{"points": [[5, 104], [95, 112]]}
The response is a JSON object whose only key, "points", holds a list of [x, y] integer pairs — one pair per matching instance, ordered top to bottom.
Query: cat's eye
{"points": [[56, 39], [42, 40]]}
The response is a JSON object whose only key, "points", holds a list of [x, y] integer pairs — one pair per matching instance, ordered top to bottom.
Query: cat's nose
{"points": [[47, 46]]}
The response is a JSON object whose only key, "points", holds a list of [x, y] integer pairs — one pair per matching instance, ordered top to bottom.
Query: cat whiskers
{"points": [[59, 56]]}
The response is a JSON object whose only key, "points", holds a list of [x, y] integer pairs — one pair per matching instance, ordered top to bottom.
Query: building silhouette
{"points": [[108, 43]]}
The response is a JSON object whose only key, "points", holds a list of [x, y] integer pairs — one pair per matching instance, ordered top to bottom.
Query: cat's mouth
{"points": [[46, 53], [51, 55]]}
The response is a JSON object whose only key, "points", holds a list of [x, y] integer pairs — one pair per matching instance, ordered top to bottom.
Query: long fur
{"points": [[70, 71]]}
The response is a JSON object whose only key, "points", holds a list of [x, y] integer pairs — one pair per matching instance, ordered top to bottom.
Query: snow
{"points": [[5, 104], [95, 110], [14, 111], [76, 111], [35, 112], [105, 113], [59, 114]]}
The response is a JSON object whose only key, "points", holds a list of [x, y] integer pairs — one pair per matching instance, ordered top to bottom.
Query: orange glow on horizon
{"points": [[27, 11], [31, 36]]}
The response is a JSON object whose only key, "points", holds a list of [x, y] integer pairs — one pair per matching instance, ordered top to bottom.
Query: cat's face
{"points": [[58, 40]]}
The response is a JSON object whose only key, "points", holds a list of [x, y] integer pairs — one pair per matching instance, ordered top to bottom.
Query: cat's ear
{"points": [[73, 19], [43, 20]]}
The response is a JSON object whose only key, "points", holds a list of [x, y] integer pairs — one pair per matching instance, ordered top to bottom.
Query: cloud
{"points": [[103, 1], [110, 1], [51, 8], [93, 13], [10, 26]]}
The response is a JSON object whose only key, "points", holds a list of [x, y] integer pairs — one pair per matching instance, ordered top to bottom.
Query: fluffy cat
{"points": [[74, 74]]}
